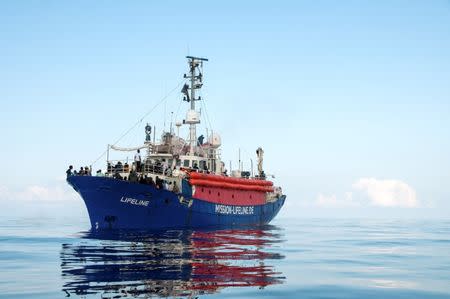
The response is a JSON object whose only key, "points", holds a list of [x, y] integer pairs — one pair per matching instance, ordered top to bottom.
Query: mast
{"points": [[196, 82]]}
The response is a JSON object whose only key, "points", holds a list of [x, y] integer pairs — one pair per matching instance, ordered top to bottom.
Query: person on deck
{"points": [[137, 160], [165, 166], [119, 167], [69, 171], [118, 176], [133, 177], [158, 183], [175, 188]]}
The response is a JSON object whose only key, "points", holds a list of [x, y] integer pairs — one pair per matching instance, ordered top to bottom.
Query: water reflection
{"points": [[171, 263]]}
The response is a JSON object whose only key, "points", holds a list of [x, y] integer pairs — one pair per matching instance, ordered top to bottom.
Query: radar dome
{"points": [[215, 140]]}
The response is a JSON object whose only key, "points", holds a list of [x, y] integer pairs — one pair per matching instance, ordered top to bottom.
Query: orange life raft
{"points": [[217, 181]]}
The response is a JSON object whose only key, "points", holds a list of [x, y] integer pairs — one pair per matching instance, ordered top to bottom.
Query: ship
{"points": [[179, 183]]}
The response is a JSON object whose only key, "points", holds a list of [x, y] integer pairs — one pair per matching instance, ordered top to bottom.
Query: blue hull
{"points": [[120, 204]]}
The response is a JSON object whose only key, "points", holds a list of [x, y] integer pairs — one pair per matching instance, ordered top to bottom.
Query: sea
{"points": [[291, 258]]}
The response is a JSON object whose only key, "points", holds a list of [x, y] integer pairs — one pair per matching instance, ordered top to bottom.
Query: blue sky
{"points": [[349, 99]]}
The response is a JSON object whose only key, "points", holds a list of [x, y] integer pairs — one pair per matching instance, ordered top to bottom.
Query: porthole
{"points": [[232, 196]]}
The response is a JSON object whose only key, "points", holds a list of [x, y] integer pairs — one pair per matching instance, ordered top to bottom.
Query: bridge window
{"points": [[186, 163]]}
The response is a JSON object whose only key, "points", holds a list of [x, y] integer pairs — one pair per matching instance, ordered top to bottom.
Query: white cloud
{"points": [[371, 191], [35, 193], [387, 193], [326, 201], [330, 201]]}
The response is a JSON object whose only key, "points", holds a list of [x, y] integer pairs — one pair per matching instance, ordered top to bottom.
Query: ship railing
{"points": [[125, 167]]}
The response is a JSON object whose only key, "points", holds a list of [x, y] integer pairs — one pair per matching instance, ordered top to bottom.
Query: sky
{"points": [[349, 99]]}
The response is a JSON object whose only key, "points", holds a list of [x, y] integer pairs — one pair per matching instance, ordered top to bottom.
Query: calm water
{"points": [[48, 258]]}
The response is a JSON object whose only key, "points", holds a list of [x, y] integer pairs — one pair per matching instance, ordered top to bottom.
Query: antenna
{"points": [[197, 58], [196, 82], [165, 106], [154, 136], [239, 165]]}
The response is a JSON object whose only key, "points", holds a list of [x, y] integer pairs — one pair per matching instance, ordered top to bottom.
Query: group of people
{"points": [[118, 167], [157, 167], [83, 171], [133, 176], [158, 183]]}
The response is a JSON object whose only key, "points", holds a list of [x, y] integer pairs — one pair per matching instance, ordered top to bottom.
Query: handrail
{"points": [[113, 167]]}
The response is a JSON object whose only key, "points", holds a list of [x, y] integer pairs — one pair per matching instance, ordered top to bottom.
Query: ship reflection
{"points": [[172, 263]]}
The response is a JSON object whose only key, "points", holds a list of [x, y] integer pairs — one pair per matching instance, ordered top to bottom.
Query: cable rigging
{"points": [[140, 120]]}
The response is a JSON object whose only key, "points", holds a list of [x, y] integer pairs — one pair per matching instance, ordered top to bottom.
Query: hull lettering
{"points": [[133, 201], [234, 210]]}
